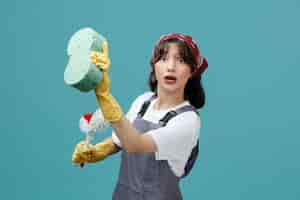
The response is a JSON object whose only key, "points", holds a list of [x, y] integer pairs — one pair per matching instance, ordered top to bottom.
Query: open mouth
{"points": [[170, 79]]}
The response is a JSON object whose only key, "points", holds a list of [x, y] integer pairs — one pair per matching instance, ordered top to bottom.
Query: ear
{"points": [[153, 77]]}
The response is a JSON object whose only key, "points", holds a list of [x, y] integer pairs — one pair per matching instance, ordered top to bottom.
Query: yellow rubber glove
{"points": [[110, 108], [92, 153]]}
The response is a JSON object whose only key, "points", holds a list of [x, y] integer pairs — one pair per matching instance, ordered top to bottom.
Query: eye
{"points": [[164, 58], [180, 60]]}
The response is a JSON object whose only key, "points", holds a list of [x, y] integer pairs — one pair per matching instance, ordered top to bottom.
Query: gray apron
{"points": [[142, 177]]}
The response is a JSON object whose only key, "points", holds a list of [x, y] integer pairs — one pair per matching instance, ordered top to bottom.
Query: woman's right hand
{"points": [[83, 153]]}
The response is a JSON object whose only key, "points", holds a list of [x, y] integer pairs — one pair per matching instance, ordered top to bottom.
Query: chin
{"points": [[170, 89]]}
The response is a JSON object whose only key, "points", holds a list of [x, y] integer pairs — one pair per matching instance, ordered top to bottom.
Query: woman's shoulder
{"points": [[146, 95], [143, 97], [139, 100]]}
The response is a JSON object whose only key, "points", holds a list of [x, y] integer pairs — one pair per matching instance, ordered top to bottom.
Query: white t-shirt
{"points": [[174, 141]]}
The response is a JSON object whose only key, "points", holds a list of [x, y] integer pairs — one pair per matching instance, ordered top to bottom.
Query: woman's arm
{"points": [[132, 141], [84, 153]]}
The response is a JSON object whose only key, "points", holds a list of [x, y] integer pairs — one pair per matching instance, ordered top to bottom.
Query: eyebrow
{"points": [[177, 54]]}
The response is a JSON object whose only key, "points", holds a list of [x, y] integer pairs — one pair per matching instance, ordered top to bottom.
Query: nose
{"points": [[171, 65]]}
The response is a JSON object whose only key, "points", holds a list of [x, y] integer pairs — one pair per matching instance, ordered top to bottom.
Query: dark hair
{"points": [[193, 91]]}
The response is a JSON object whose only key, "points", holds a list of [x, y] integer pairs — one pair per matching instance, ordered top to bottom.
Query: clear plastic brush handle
{"points": [[88, 138]]}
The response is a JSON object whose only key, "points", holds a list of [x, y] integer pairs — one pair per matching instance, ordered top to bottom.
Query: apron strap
{"points": [[145, 106], [163, 122]]}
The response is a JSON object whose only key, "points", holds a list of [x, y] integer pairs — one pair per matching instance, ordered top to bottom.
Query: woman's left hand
{"points": [[101, 60], [110, 108]]}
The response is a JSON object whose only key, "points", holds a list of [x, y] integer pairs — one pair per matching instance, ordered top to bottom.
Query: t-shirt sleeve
{"points": [[132, 113], [115, 139], [177, 139]]}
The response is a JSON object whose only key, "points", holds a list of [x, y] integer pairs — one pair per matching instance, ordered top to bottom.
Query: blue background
{"points": [[250, 141]]}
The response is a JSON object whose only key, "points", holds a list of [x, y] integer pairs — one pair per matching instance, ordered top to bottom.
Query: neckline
{"points": [[185, 102]]}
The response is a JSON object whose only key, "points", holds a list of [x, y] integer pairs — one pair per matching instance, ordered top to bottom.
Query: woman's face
{"points": [[171, 71]]}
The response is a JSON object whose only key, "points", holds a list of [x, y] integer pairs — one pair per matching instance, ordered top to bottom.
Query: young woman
{"points": [[159, 134]]}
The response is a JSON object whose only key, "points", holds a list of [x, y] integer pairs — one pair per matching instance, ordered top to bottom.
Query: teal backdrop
{"points": [[250, 135]]}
